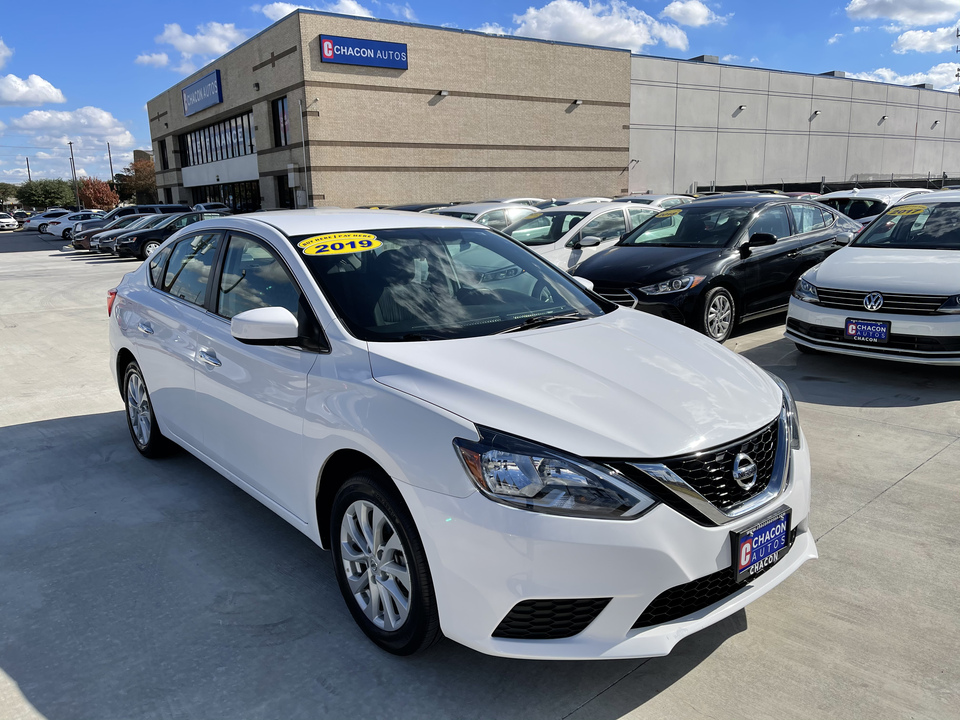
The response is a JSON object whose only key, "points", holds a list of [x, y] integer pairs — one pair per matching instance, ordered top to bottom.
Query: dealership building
{"points": [[394, 112]]}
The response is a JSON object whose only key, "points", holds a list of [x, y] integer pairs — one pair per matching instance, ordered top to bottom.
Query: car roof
{"points": [[887, 194], [938, 196], [651, 198], [739, 201], [481, 207], [581, 207], [319, 221]]}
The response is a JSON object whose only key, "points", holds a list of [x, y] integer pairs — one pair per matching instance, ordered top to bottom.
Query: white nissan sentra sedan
{"points": [[893, 293], [491, 452]]}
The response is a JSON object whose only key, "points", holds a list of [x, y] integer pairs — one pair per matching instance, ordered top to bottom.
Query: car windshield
{"points": [[641, 201], [855, 207], [456, 214], [146, 221], [691, 226], [915, 226], [544, 228], [414, 284]]}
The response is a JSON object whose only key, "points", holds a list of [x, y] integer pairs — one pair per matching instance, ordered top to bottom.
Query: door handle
{"points": [[793, 254], [145, 329], [210, 358]]}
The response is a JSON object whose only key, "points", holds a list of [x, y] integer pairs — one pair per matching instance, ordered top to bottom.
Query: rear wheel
{"points": [[42, 229], [717, 314], [141, 420], [381, 566]]}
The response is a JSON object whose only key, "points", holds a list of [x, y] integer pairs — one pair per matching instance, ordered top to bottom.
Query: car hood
{"points": [[633, 264], [933, 272], [624, 385]]}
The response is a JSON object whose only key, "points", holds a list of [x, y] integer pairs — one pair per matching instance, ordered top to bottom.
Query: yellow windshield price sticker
{"points": [[908, 210], [667, 213], [531, 216], [339, 244]]}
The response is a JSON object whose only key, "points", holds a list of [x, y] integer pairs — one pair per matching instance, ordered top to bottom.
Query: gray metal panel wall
{"points": [[702, 123]]}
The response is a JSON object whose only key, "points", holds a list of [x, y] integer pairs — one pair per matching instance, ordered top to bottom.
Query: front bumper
{"points": [[927, 339], [485, 558]]}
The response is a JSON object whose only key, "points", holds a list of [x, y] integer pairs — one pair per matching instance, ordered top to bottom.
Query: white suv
{"points": [[489, 451]]}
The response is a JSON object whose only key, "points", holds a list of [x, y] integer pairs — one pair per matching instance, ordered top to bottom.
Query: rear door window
{"points": [[806, 218], [188, 271]]}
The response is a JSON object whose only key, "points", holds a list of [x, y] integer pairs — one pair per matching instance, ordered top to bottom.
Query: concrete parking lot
{"points": [[132, 588]]}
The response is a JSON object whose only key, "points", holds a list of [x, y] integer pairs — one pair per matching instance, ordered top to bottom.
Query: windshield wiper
{"points": [[541, 320]]}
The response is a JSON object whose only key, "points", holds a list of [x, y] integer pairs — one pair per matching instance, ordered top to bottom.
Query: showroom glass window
{"points": [[281, 123], [220, 141], [162, 151], [188, 270]]}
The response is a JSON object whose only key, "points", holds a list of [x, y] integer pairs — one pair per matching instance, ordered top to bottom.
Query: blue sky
{"points": [[87, 76]]}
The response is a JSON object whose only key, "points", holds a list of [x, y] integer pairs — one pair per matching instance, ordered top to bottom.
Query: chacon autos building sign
{"points": [[354, 51], [205, 92]]}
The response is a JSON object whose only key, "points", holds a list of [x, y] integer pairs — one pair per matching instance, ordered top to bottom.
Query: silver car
{"points": [[867, 204], [493, 215]]}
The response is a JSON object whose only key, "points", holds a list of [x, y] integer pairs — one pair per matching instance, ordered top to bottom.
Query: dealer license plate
{"points": [[866, 331], [760, 546]]}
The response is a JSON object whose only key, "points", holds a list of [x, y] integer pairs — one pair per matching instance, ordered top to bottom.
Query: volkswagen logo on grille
{"points": [[873, 301], [744, 471]]}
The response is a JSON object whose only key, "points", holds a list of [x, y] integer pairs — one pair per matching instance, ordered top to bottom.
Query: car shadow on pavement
{"points": [[138, 588]]}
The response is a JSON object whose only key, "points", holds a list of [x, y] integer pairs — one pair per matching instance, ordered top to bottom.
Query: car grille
{"points": [[616, 294], [894, 303], [906, 343], [710, 472], [682, 600], [549, 619]]}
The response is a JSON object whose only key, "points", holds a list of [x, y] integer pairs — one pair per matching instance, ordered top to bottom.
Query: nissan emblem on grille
{"points": [[873, 301], [744, 471]]}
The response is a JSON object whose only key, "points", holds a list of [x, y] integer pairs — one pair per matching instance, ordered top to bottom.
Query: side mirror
{"points": [[844, 238], [762, 239], [588, 241], [586, 284], [265, 326]]}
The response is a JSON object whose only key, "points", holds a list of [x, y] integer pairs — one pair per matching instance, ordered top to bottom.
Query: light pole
{"points": [[110, 157], [73, 167]]}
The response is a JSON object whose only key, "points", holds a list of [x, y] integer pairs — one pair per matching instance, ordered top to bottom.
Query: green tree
{"points": [[7, 193], [46, 193], [96, 193]]}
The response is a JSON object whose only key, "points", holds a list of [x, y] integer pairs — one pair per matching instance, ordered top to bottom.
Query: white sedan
{"points": [[8, 222], [63, 226], [569, 234], [893, 293], [506, 460]]}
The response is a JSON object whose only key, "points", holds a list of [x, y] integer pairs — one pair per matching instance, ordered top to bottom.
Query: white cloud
{"points": [[275, 11], [404, 11], [906, 12], [692, 13], [615, 24], [860, 28], [492, 29], [834, 39], [210, 40], [934, 41], [5, 53], [729, 58], [160, 59], [754, 60], [942, 76], [32, 91], [86, 127]]}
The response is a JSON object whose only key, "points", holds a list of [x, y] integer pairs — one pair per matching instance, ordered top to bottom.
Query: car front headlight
{"points": [[127, 240], [678, 284], [806, 291], [951, 306], [793, 419], [525, 475]]}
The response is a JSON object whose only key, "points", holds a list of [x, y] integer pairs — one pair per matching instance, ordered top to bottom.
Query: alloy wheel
{"points": [[719, 316], [138, 408], [375, 564]]}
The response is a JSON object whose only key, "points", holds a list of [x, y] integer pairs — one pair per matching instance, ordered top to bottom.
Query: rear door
{"points": [[251, 398]]}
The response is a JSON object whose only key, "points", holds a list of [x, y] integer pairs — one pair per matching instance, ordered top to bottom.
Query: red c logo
{"points": [[326, 48]]}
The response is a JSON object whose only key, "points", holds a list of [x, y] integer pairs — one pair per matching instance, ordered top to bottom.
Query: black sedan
{"points": [[142, 242], [715, 262]]}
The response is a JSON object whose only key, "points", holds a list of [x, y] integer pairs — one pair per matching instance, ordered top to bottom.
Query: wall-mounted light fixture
{"points": [[256, 86], [444, 93], [578, 102], [742, 107], [816, 112], [884, 117], [936, 122]]}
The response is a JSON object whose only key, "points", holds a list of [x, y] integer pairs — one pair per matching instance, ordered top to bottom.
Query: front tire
{"points": [[68, 234], [148, 249], [718, 314], [141, 420], [381, 566]]}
